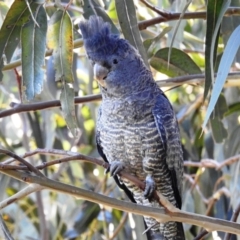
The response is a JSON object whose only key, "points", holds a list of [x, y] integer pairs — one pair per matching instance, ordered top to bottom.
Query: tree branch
{"points": [[188, 15], [18, 107], [21, 160], [21, 194], [211, 224]]}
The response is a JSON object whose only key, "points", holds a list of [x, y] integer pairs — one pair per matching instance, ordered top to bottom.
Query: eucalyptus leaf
{"points": [[215, 13], [17, 16], [129, 25], [60, 39], [33, 41], [180, 63], [224, 67], [68, 108]]}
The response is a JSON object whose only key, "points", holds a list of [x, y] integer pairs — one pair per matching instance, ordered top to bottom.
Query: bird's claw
{"points": [[115, 168], [149, 187]]}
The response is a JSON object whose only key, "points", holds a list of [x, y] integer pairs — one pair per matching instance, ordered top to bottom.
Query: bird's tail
{"points": [[180, 231], [152, 235]]}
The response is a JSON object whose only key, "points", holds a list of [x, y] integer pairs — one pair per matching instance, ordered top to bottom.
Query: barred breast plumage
{"points": [[136, 127], [128, 133]]}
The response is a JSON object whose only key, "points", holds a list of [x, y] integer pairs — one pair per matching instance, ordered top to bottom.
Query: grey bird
{"points": [[136, 127]]}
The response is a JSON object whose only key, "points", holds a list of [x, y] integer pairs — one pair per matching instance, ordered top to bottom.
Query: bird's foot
{"points": [[115, 167], [150, 187]]}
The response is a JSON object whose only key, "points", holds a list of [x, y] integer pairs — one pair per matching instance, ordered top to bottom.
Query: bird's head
{"points": [[117, 65]]}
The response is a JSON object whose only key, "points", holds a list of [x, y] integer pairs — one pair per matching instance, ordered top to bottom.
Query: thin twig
{"points": [[155, 9], [23, 161], [229, 161], [21, 194], [120, 225], [201, 235]]}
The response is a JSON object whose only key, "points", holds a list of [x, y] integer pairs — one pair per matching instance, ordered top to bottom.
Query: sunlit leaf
{"points": [[129, 25], [60, 39], [33, 42], [180, 63], [224, 67]]}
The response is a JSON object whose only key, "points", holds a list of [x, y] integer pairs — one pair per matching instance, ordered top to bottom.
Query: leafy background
{"points": [[42, 60]]}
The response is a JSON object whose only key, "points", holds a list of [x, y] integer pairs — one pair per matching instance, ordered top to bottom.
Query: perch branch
{"points": [[161, 215]]}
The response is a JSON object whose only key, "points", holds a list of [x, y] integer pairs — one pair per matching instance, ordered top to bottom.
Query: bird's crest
{"points": [[98, 39]]}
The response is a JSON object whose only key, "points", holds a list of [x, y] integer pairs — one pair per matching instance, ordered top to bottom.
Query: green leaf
{"points": [[92, 8], [215, 12], [17, 16], [129, 25], [60, 39], [33, 41], [180, 63], [224, 67], [68, 108], [220, 108], [232, 109], [218, 130]]}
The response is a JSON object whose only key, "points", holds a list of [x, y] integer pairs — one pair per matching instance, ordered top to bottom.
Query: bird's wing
{"points": [[167, 126], [100, 151]]}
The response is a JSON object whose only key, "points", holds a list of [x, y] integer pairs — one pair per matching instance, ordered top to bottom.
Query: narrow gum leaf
{"points": [[16, 17], [128, 22], [33, 39], [60, 39], [180, 63], [224, 67], [68, 108]]}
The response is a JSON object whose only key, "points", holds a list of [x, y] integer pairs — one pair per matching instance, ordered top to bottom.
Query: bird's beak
{"points": [[100, 73]]}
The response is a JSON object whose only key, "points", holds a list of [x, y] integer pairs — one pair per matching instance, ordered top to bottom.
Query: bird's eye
{"points": [[115, 61]]}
